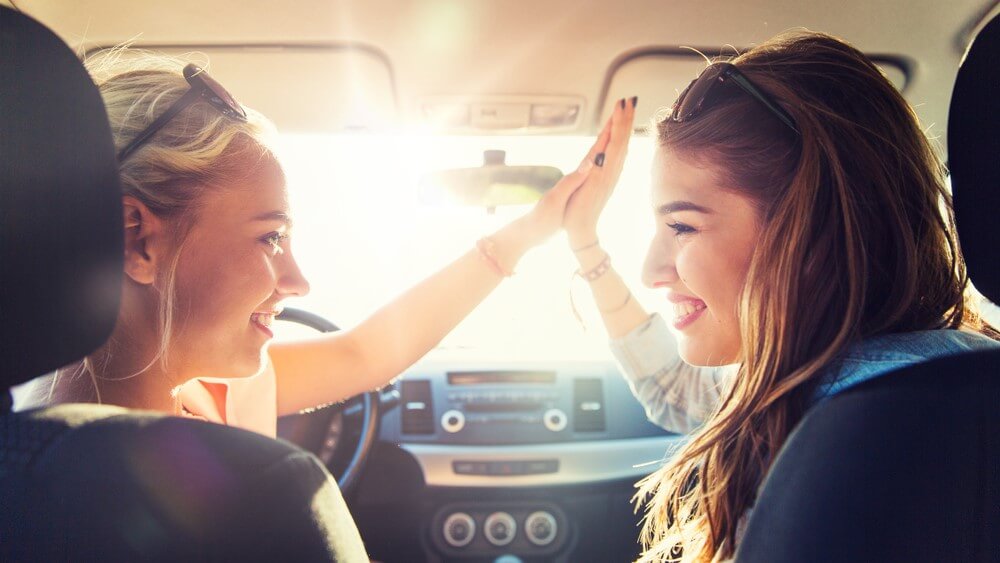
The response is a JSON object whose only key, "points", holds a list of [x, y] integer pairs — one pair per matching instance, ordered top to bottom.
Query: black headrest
{"points": [[974, 158], [60, 205]]}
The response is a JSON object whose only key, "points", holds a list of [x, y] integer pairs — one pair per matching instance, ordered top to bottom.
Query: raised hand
{"points": [[604, 161]]}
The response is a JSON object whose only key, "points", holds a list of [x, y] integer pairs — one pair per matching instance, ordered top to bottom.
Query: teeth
{"points": [[685, 308], [263, 319]]}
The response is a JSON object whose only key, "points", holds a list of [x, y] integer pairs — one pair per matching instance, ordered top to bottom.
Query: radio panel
{"points": [[514, 406]]}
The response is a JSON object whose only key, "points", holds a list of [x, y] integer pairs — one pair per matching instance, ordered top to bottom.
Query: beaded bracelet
{"points": [[487, 251], [598, 270]]}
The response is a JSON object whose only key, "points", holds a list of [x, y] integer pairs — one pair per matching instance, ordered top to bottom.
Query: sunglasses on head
{"points": [[202, 86], [692, 100]]}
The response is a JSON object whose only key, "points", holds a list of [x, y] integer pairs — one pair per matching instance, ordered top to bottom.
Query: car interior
{"points": [[516, 439]]}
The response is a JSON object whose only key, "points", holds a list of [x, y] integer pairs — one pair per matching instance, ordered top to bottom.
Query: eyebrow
{"points": [[676, 206], [275, 216]]}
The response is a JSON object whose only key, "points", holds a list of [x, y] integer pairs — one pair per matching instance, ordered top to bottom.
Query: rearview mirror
{"points": [[490, 185]]}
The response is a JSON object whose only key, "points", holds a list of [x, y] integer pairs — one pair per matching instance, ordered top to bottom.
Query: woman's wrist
{"points": [[579, 240], [511, 243], [589, 256]]}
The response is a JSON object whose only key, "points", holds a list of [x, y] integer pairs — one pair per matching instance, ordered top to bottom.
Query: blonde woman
{"points": [[805, 239], [208, 263]]}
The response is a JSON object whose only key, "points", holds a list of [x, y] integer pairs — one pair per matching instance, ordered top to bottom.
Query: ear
{"points": [[144, 241]]}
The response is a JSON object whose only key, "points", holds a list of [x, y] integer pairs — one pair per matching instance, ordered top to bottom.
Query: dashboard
{"points": [[509, 462]]}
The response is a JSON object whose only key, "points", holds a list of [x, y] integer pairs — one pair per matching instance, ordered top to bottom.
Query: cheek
{"points": [[712, 275], [215, 283]]}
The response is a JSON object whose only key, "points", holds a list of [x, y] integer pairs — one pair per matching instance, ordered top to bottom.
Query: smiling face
{"points": [[705, 237], [235, 267]]}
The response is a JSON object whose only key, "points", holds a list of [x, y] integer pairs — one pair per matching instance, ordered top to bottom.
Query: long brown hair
{"points": [[857, 239]]}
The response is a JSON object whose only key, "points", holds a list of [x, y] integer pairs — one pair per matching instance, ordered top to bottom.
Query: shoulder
{"points": [[918, 345], [881, 354]]}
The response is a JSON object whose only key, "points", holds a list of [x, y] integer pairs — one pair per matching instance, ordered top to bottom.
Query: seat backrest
{"points": [[60, 206], [906, 467], [95, 482]]}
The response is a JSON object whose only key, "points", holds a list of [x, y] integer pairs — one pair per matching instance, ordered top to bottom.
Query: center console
{"points": [[527, 430]]}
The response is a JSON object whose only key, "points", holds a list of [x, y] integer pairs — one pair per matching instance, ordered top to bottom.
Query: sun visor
{"points": [[659, 77], [302, 89]]}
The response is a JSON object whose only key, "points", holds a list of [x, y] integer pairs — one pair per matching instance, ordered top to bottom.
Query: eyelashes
{"points": [[681, 229], [275, 240]]}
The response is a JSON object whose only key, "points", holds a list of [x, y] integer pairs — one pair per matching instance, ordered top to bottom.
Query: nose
{"points": [[658, 267], [291, 282]]}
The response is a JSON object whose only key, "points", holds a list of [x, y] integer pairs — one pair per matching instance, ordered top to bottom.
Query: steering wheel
{"points": [[369, 410]]}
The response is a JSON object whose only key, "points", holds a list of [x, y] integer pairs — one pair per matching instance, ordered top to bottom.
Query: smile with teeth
{"points": [[686, 308], [263, 319]]}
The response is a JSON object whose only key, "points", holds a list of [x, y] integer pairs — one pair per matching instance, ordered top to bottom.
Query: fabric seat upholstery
{"points": [[906, 467], [102, 483]]}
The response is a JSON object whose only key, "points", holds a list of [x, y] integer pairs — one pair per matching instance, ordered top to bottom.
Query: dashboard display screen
{"points": [[494, 377]]}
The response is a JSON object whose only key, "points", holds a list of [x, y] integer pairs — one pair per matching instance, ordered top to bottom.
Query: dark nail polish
{"points": [[635, 100], [623, 103], [599, 159]]}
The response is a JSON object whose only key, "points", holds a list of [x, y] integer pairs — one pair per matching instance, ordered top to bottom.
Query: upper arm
{"points": [[316, 371]]}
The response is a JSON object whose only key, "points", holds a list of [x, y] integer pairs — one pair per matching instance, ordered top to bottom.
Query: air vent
{"points": [[588, 405], [418, 407]]}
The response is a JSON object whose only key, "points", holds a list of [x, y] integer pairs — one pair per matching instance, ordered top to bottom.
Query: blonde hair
{"points": [[198, 150], [857, 239]]}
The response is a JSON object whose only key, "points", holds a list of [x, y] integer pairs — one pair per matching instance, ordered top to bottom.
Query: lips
{"points": [[687, 308], [263, 320]]}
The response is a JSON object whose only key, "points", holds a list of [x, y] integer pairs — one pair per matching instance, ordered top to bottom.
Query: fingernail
{"points": [[635, 100], [623, 103], [599, 159]]}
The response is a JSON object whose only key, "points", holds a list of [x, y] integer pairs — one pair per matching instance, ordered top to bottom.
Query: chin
{"points": [[705, 355], [238, 367]]}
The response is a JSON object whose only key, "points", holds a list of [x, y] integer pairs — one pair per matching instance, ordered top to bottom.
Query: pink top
{"points": [[250, 403]]}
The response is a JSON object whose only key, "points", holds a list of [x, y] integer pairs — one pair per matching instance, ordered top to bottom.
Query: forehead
{"points": [[679, 179], [262, 191]]}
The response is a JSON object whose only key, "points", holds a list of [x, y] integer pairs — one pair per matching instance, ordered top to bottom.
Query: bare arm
{"points": [[336, 366]]}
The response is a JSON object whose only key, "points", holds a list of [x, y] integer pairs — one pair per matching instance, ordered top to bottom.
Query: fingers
{"points": [[622, 120], [613, 139], [599, 146], [569, 183], [566, 187]]}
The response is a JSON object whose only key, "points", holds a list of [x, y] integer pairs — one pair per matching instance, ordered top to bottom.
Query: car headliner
{"points": [[554, 47]]}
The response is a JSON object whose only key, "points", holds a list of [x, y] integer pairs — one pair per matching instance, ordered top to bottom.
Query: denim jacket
{"points": [[680, 397]]}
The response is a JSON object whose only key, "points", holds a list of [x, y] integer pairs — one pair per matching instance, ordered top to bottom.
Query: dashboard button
{"points": [[555, 420], [452, 421], [541, 466], [464, 467], [500, 528], [540, 528], [459, 529]]}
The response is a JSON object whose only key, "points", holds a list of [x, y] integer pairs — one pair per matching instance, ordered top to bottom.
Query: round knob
{"points": [[554, 419], [453, 421], [540, 527], [500, 528], [459, 529]]}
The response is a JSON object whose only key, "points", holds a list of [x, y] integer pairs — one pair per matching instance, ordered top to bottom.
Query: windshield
{"points": [[362, 236]]}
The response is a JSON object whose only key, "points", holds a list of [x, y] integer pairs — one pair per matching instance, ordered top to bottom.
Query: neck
{"points": [[125, 371], [113, 380], [137, 382]]}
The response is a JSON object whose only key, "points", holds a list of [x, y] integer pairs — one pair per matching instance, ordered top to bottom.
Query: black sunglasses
{"points": [[204, 87], [692, 100]]}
